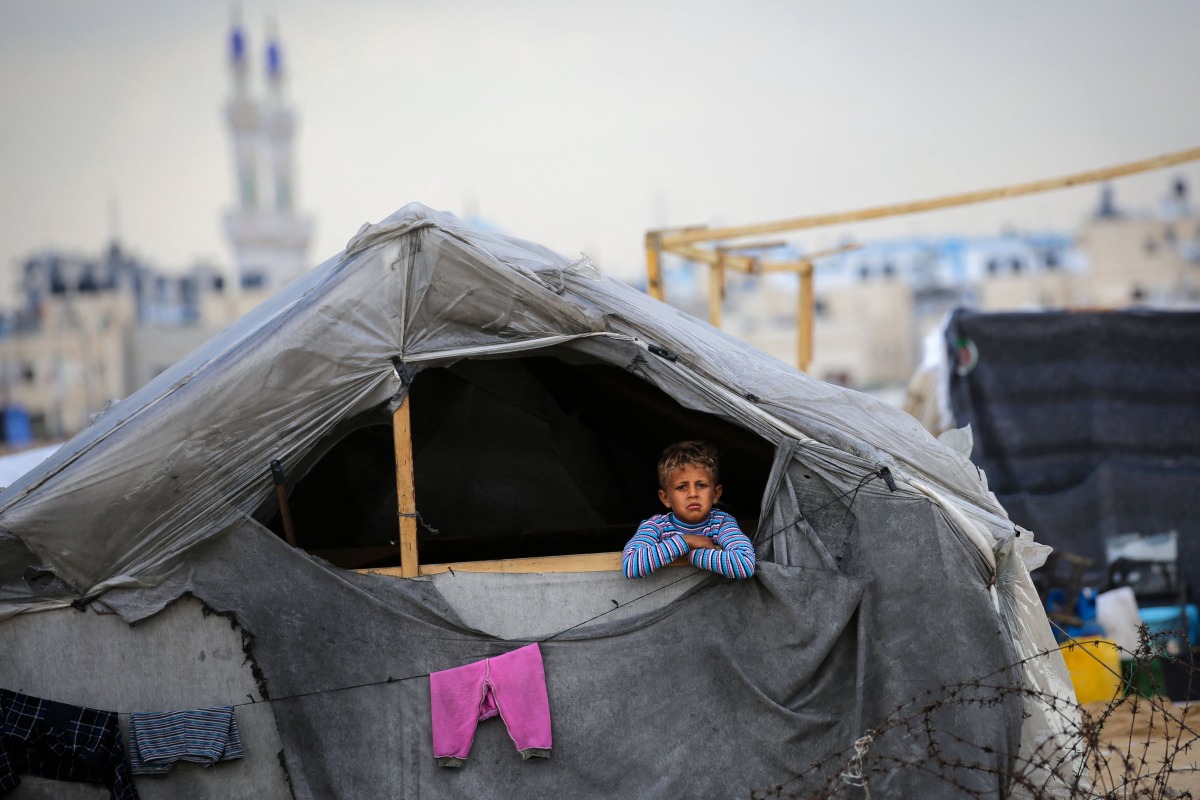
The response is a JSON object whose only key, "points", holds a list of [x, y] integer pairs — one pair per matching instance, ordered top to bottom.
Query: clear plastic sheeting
{"points": [[928, 394], [1051, 755]]}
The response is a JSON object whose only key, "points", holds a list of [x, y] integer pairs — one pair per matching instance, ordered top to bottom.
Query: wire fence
{"points": [[1141, 744]]}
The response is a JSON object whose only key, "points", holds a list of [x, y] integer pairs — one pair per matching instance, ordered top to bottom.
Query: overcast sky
{"points": [[581, 125]]}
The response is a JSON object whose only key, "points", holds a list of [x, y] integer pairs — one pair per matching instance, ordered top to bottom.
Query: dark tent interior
{"points": [[513, 458]]}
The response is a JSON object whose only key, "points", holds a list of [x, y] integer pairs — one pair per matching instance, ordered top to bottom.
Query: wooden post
{"points": [[654, 282], [716, 289], [805, 312], [406, 494], [285, 511]]}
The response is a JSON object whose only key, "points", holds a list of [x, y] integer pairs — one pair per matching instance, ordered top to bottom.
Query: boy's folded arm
{"points": [[700, 542], [645, 553], [733, 557]]}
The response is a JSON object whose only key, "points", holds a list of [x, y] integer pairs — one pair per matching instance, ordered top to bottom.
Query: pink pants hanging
{"points": [[512, 686]]}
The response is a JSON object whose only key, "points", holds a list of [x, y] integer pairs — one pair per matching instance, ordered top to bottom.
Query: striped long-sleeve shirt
{"points": [[659, 541], [204, 735]]}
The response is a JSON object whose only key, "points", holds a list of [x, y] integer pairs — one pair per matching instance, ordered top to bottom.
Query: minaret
{"points": [[243, 123], [279, 124], [270, 241]]}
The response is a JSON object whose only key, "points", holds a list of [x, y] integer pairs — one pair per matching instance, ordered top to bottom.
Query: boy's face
{"points": [[690, 493]]}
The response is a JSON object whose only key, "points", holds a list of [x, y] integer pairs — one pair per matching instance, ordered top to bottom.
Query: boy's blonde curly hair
{"points": [[681, 454]]}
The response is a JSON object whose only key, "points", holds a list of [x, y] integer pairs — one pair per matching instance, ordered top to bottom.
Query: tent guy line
{"points": [[884, 473]]}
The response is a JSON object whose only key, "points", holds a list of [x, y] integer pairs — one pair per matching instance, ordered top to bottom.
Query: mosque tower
{"points": [[270, 241]]}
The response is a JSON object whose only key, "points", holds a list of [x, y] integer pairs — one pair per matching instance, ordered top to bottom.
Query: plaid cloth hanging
{"points": [[61, 742]]}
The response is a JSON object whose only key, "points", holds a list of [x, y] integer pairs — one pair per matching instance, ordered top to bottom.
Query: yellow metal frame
{"points": [[683, 241], [721, 259]]}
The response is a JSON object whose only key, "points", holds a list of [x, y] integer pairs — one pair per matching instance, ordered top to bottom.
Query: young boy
{"points": [[688, 485]]}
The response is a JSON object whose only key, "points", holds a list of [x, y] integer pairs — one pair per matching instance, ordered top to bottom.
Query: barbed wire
{"points": [[1139, 745]]}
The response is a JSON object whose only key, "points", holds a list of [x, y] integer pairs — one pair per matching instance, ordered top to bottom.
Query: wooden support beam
{"points": [[721, 258], [406, 494], [285, 511], [584, 562], [587, 562]]}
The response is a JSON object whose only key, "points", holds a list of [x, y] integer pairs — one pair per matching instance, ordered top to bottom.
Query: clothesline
{"points": [[874, 475], [390, 679]]}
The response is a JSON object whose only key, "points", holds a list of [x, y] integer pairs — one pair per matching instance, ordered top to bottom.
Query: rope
{"points": [[421, 520], [854, 775]]}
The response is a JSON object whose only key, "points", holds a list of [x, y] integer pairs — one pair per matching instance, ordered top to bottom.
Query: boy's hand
{"points": [[697, 542]]}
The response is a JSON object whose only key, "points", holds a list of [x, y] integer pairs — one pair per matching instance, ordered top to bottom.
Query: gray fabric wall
{"points": [[178, 660], [733, 687]]}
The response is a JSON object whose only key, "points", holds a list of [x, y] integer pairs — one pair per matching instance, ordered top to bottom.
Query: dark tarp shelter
{"points": [[541, 393], [1087, 423]]}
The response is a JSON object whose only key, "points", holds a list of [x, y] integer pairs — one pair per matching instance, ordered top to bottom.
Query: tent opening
{"points": [[514, 458]]}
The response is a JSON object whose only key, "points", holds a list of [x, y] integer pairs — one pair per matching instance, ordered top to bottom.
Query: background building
{"points": [[875, 304], [91, 329]]}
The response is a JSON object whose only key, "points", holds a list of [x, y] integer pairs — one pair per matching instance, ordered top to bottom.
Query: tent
{"points": [[1086, 422], [890, 637]]}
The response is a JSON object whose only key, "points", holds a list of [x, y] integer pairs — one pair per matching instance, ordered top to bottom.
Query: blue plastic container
{"points": [[1161, 619]]}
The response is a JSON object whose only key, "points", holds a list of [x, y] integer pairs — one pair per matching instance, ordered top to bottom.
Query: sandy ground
{"points": [[1147, 749]]}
